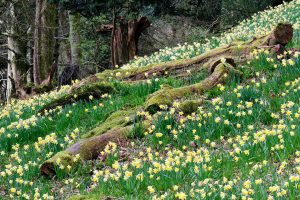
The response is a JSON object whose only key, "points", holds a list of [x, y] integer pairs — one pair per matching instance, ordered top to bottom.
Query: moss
{"points": [[96, 89], [81, 93], [166, 95], [161, 97], [190, 106], [117, 119], [91, 147], [48, 167]]}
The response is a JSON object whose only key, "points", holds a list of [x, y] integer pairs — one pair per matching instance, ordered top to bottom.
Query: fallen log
{"points": [[238, 52], [81, 93], [167, 95], [118, 119], [109, 131], [88, 149]]}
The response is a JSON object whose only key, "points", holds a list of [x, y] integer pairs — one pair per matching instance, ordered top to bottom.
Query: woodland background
{"points": [[44, 44]]}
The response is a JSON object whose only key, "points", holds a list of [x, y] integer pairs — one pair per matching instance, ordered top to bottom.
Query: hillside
{"points": [[214, 120]]}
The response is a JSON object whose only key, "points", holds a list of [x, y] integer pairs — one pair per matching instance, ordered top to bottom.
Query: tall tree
{"points": [[74, 38], [45, 41], [36, 52], [14, 73]]}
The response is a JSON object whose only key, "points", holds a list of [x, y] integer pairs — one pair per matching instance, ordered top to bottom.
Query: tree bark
{"points": [[47, 38], [74, 39], [125, 39], [132, 42], [121, 44], [112, 48], [36, 52], [29, 57], [53, 63], [13, 73], [9, 74]]}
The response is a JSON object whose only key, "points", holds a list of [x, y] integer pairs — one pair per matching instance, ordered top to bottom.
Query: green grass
{"points": [[82, 115], [209, 131], [203, 157]]}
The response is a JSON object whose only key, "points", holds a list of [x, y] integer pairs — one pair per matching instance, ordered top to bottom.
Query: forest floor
{"points": [[242, 143]]}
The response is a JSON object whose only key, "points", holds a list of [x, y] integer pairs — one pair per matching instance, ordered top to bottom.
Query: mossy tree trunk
{"points": [[47, 38], [74, 38], [45, 41], [36, 52], [87, 149]]}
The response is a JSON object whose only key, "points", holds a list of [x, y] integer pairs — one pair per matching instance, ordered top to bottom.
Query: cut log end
{"points": [[64, 158], [47, 169]]}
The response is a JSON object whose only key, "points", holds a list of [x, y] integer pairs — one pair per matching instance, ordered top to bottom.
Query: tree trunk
{"points": [[74, 39], [125, 39], [47, 42], [132, 42], [56, 44], [121, 44], [112, 49], [36, 53], [54, 54], [29, 58], [9, 74], [13, 74], [86, 149]]}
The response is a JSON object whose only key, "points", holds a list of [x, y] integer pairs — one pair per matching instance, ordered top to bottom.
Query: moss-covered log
{"points": [[237, 51], [83, 92], [167, 95], [190, 106], [118, 119], [119, 126], [88, 148]]}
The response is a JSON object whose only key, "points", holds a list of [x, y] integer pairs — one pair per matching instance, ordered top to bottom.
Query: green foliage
{"points": [[200, 9], [238, 10], [95, 47]]}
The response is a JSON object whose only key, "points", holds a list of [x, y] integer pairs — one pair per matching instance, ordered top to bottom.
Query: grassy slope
{"points": [[223, 150], [232, 159]]}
